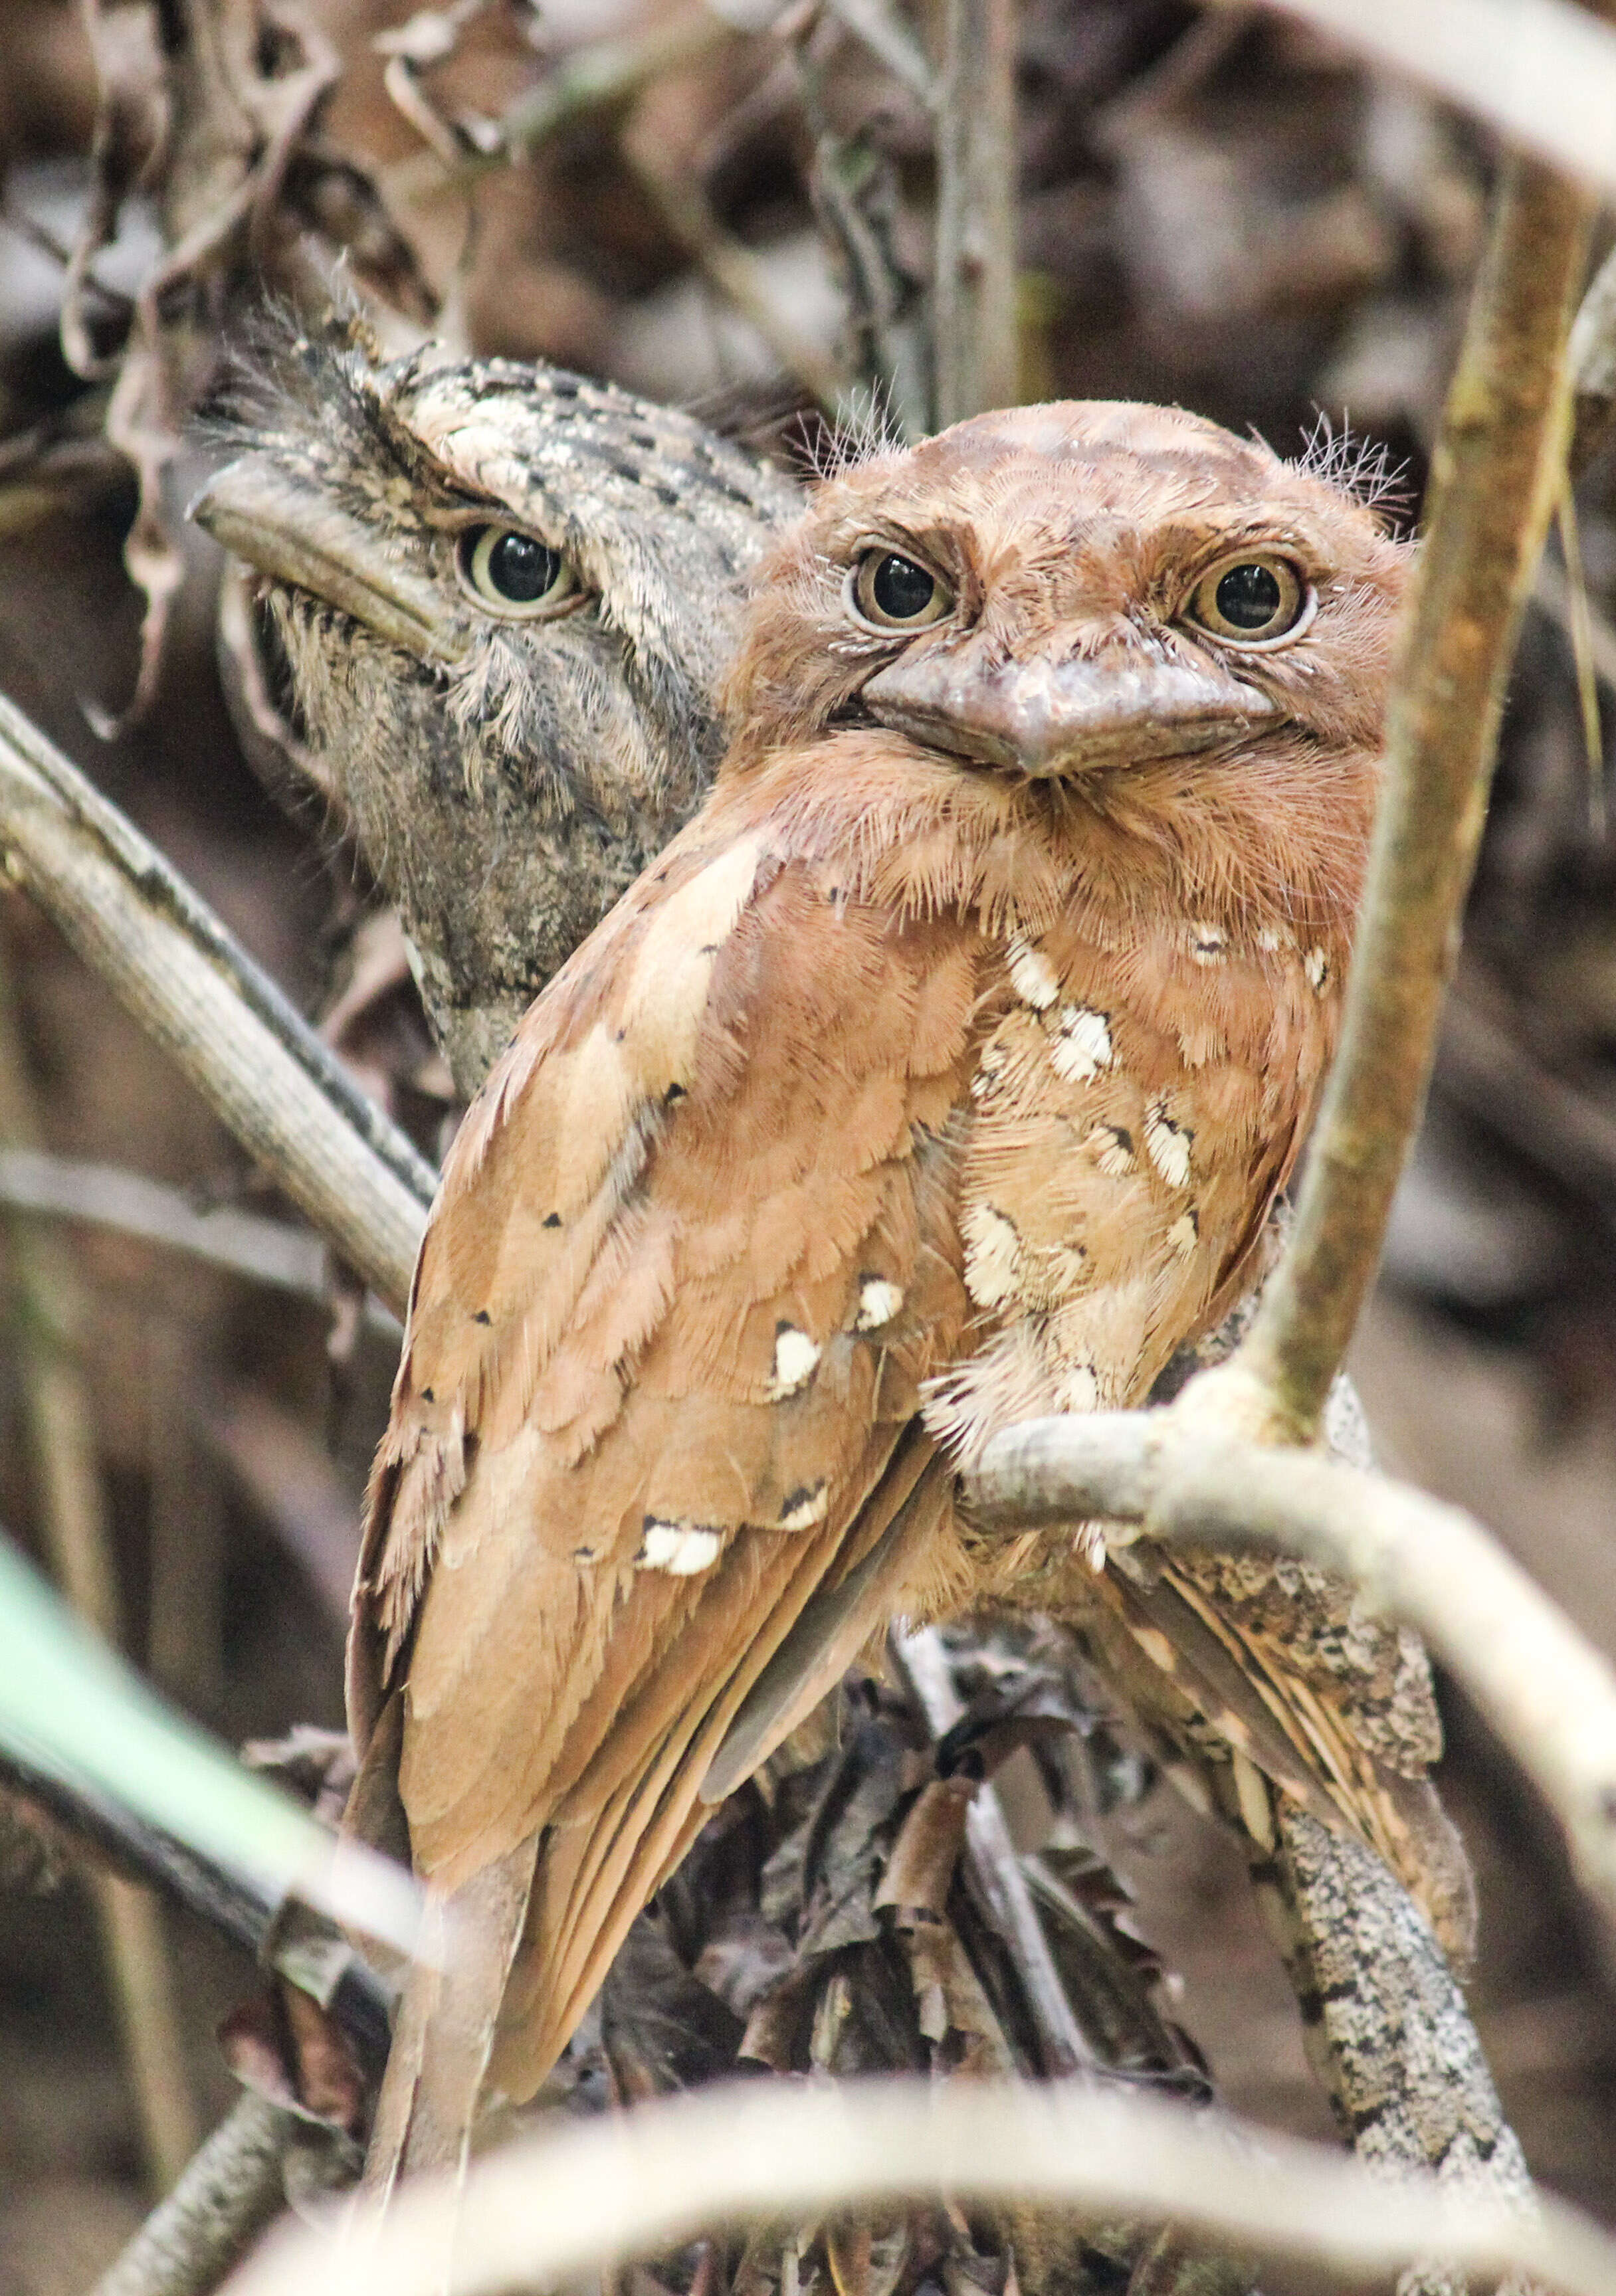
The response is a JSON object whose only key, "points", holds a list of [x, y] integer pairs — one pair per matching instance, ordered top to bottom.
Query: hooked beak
{"points": [[286, 528], [1045, 717]]}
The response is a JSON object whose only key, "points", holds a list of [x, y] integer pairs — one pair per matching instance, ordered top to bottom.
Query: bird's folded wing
{"points": [[691, 1258], [1332, 1702]]}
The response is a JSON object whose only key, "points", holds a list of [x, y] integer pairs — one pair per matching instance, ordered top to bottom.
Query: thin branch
{"points": [[890, 40], [1543, 72], [600, 75], [736, 270], [974, 294], [1593, 362], [1495, 477], [1552, 592], [171, 962], [1484, 1063], [269, 1251], [49, 1316], [1547, 1691], [994, 1869], [229, 2191], [552, 2211]]}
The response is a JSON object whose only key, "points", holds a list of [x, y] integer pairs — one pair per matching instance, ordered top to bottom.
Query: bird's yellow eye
{"points": [[512, 572], [895, 594], [1252, 601]]}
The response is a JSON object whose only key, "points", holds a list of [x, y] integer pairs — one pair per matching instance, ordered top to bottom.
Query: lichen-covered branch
{"points": [[1495, 478], [1549, 1692], [228, 2192], [553, 2212]]}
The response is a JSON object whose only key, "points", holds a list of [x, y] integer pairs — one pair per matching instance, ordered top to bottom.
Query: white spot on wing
{"points": [[1268, 940], [1207, 944], [1316, 964], [1032, 977], [1082, 1045], [1168, 1145], [1113, 1149], [1182, 1235], [993, 1251], [879, 1301], [795, 1358], [1080, 1389], [804, 1508], [1088, 1544], [680, 1548]]}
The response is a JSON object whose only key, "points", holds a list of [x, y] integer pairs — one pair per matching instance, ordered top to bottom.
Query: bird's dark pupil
{"points": [[523, 569], [901, 588], [1247, 597]]}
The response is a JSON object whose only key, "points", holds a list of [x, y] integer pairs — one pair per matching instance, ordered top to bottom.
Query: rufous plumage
{"points": [[941, 1072]]}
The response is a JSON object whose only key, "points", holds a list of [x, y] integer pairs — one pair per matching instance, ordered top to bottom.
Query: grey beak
{"points": [[263, 512], [1048, 717]]}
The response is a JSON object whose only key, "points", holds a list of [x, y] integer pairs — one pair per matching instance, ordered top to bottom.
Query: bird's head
{"points": [[494, 601], [1165, 622]]}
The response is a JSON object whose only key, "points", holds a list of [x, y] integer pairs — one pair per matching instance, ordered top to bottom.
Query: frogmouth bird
{"points": [[497, 599], [941, 1072]]}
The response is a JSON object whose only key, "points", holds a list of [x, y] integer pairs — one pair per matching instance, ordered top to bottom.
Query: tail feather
{"points": [[444, 2034]]}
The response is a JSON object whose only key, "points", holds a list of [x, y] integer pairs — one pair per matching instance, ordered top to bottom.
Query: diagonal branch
{"points": [[1495, 476], [254, 1060], [231, 2189]]}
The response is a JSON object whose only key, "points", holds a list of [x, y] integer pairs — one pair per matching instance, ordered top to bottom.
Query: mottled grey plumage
{"points": [[505, 776]]}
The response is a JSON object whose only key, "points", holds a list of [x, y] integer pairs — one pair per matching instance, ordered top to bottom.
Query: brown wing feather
{"points": [[689, 1266], [1334, 1704]]}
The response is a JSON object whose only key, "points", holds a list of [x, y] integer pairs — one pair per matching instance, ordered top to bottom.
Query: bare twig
{"points": [[890, 41], [1542, 71], [601, 76], [736, 270], [974, 293], [1592, 354], [1496, 478], [1552, 592], [254, 1060], [1484, 1064], [269, 1251], [51, 1316], [1549, 1693], [994, 1868], [231, 2188], [554, 2211]]}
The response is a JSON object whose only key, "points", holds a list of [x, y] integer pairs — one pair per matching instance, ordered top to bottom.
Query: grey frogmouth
{"points": [[499, 598]]}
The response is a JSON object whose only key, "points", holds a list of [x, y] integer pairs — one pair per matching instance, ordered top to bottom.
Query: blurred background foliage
{"points": [[1214, 206]]}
